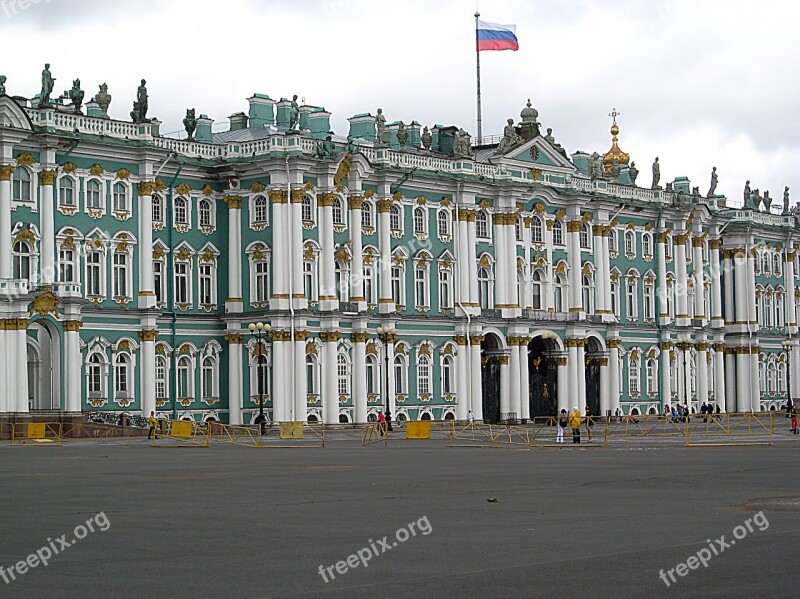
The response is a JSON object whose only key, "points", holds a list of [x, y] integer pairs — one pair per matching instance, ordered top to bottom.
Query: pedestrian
{"points": [[789, 408], [703, 411], [667, 412], [618, 414], [471, 417], [563, 420], [794, 421], [151, 422], [381, 423], [575, 424], [589, 425]]}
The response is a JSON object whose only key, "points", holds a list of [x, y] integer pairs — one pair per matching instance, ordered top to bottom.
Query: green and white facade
{"points": [[131, 265]]}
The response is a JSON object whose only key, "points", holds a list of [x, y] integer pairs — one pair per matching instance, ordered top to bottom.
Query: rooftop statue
{"points": [[2, 85], [47, 86], [76, 95], [103, 99], [141, 105], [135, 112], [294, 114], [190, 124], [380, 127], [402, 134], [510, 137], [427, 139], [552, 140], [462, 146], [325, 148], [596, 166], [615, 169], [633, 172], [656, 173], [713, 187], [695, 193], [746, 195], [757, 200], [786, 200], [767, 201]]}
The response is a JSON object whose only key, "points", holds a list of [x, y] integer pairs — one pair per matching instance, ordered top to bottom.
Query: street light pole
{"points": [[259, 331], [387, 335]]}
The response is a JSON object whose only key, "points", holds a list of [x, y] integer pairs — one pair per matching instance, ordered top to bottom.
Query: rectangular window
{"points": [[120, 274], [158, 280], [93, 282], [262, 282], [181, 283], [206, 284], [445, 298]]}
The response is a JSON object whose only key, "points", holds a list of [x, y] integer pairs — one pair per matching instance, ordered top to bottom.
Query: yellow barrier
{"points": [[418, 429], [291, 430], [734, 430], [36, 433], [187, 433], [375, 433], [493, 435], [273, 437]]}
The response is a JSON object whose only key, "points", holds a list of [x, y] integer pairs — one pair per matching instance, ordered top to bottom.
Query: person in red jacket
{"points": [[381, 423]]}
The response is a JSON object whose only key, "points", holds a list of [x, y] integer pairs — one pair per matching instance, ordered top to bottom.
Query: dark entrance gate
{"points": [[593, 358], [490, 378], [542, 392]]}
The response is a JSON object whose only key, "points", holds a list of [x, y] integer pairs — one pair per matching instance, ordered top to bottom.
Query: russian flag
{"points": [[491, 36]]}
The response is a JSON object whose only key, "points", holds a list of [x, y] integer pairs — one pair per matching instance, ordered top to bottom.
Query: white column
{"points": [[6, 172], [385, 242], [234, 249], [574, 251], [280, 256], [462, 259], [357, 261], [472, 261], [47, 262], [501, 267], [728, 273], [788, 273], [601, 277], [681, 281], [740, 287], [751, 288], [297, 290], [147, 293], [663, 293], [327, 295], [512, 297], [700, 309], [715, 310], [794, 360], [21, 364], [581, 364], [72, 366], [147, 368], [360, 372], [666, 373], [702, 373], [572, 374], [613, 374], [719, 376], [462, 378], [524, 381], [280, 382], [505, 383], [235, 387], [605, 388], [743, 388], [391, 389], [477, 390], [563, 390], [755, 391], [731, 394], [330, 397], [515, 400], [6, 403], [300, 408]]}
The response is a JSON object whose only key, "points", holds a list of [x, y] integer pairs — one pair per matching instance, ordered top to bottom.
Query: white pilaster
{"points": [[6, 172], [234, 249], [280, 255], [472, 260], [357, 261], [47, 262], [501, 263], [788, 273], [295, 275], [681, 281], [147, 293], [663, 293], [328, 299], [386, 301], [715, 310], [20, 358], [581, 364], [147, 368], [360, 372], [666, 373], [702, 373], [613, 374], [572, 375], [719, 376], [462, 378], [280, 380], [524, 380], [505, 383], [235, 387], [605, 388], [743, 388], [477, 391], [755, 391], [731, 393], [330, 397], [515, 398], [564, 401], [300, 407]]}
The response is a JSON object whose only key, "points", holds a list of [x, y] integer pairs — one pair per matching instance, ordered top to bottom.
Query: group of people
{"points": [[680, 413], [574, 421]]}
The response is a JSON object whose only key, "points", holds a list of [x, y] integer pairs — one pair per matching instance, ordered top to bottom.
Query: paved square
{"points": [[236, 522]]}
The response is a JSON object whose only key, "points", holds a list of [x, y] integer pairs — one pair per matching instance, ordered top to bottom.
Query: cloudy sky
{"points": [[698, 83]]}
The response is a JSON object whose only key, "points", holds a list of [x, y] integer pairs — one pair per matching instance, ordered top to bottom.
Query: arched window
{"points": [[22, 184], [66, 191], [120, 197], [93, 200], [158, 209], [307, 209], [259, 210], [181, 211], [204, 211], [338, 212], [367, 215], [395, 218], [443, 220], [419, 221], [482, 224], [518, 229], [537, 230], [558, 232], [585, 237], [613, 242], [630, 243], [647, 245], [22, 260], [767, 263], [67, 265], [777, 267], [206, 279], [310, 280], [342, 280], [261, 281], [369, 284], [398, 284], [445, 288], [485, 288], [536, 288], [183, 290], [560, 292], [588, 292], [614, 292], [631, 298], [521, 299], [649, 300], [780, 307], [769, 309], [652, 370], [343, 374], [781, 374], [400, 375], [424, 375], [447, 375], [634, 375], [122, 377], [161, 377], [184, 377], [208, 377], [95, 380], [312, 380], [373, 382], [260, 388]]}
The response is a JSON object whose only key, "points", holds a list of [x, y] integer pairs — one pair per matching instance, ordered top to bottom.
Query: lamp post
{"points": [[259, 331], [387, 335], [684, 343], [787, 345]]}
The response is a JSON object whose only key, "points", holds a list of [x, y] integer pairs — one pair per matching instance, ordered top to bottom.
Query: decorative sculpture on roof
{"points": [[2, 85], [47, 86], [76, 95], [103, 99], [140, 106], [294, 114], [190, 124], [380, 127], [529, 127], [402, 134], [510, 137], [427, 139], [552, 140], [462, 146], [325, 148], [614, 152], [596, 166], [615, 169], [633, 172], [656, 174], [713, 187], [695, 194], [746, 195], [756, 200], [786, 200], [767, 201]]}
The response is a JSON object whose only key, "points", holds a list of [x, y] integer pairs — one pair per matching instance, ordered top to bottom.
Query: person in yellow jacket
{"points": [[152, 424], [575, 424]]}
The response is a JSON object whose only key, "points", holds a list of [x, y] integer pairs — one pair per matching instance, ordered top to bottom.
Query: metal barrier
{"points": [[746, 429], [97, 431], [36, 433], [183, 433], [376, 433], [545, 433], [493, 435], [282, 436]]}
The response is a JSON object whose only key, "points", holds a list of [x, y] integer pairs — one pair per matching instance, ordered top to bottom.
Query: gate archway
{"points": [[491, 351], [542, 377]]}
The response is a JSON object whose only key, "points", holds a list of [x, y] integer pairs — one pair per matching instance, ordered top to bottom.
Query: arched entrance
{"points": [[491, 350], [593, 355], [44, 366], [542, 376]]}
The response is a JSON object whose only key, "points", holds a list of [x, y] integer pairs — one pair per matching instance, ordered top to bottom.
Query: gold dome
{"points": [[614, 152]]}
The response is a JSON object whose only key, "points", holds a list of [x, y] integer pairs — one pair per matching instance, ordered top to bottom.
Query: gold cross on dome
{"points": [[614, 114]]}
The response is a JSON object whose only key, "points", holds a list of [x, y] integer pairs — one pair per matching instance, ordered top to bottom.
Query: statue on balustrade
{"points": [[2, 85], [47, 86], [76, 95], [103, 99], [141, 104], [294, 114], [190, 124], [380, 127], [402, 134], [510, 137], [549, 137], [427, 139], [462, 146], [596, 165], [615, 170], [633, 172], [656, 173], [713, 187], [747, 198], [756, 200], [786, 200], [767, 201]]}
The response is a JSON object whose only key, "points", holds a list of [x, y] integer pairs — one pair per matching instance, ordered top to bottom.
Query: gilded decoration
{"points": [[26, 159], [69, 167], [96, 170], [6, 172], [342, 172], [123, 174], [536, 174], [48, 177], [159, 185], [257, 187], [145, 188], [183, 189], [277, 196], [422, 200], [234, 202], [355, 202], [445, 202], [25, 235], [184, 254], [208, 256], [46, 303], [72, 326], [148, 335], [361, 337]]}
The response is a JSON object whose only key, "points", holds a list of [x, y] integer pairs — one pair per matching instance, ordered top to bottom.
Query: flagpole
{"points": [[478, 73]]}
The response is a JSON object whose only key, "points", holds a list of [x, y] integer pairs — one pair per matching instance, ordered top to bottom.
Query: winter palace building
{"points": [[508, 278]]}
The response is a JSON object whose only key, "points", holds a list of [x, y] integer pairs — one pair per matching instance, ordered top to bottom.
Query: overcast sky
{"points": [[698, 83]]}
